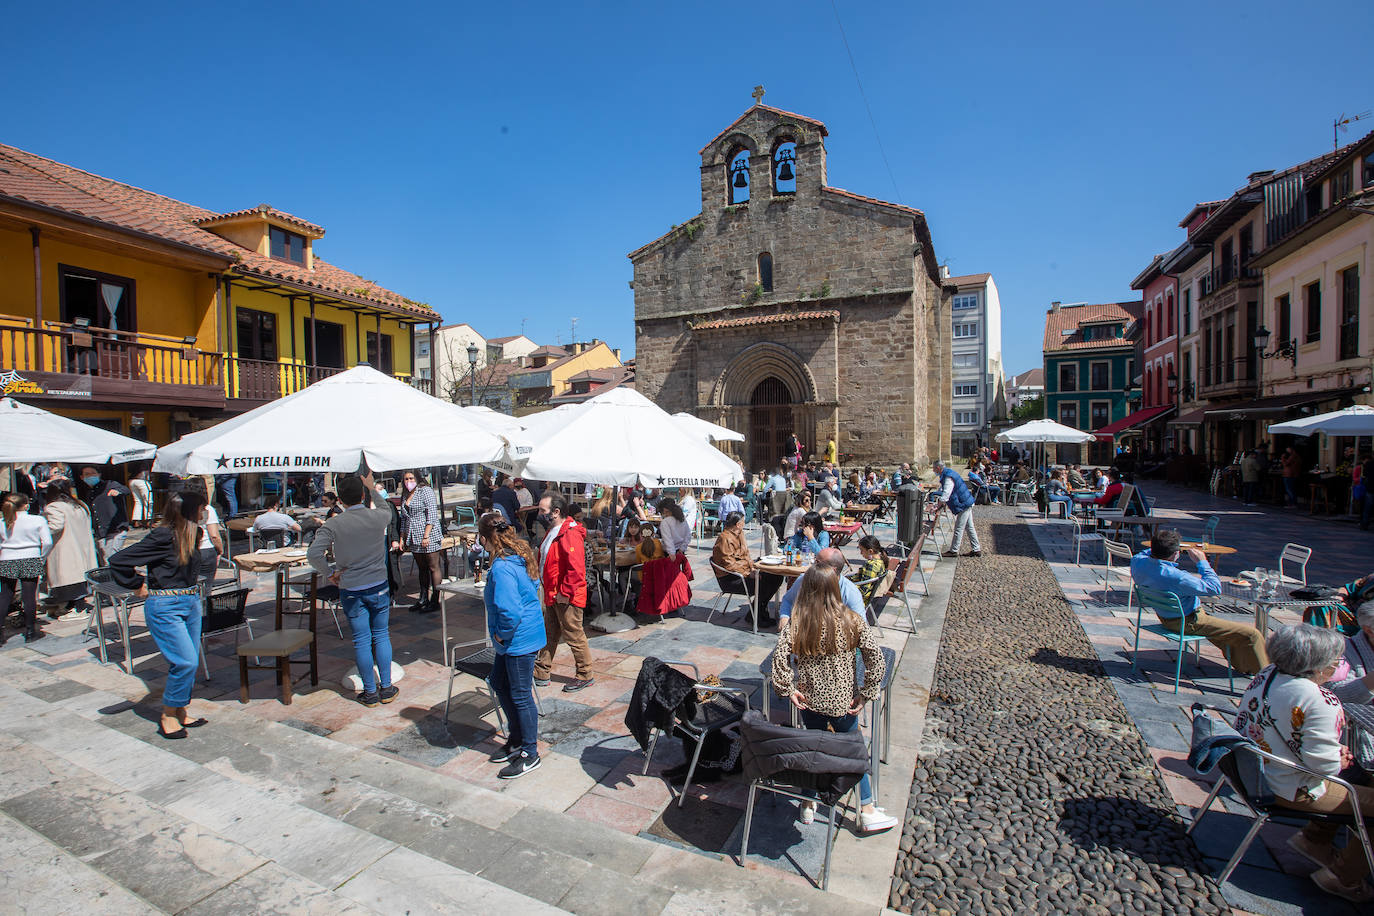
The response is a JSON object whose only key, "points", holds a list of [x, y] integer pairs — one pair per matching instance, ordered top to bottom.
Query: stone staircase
{"points": [[98, 814]]}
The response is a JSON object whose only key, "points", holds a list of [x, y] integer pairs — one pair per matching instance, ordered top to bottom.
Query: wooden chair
{"points": [[279, 645]]}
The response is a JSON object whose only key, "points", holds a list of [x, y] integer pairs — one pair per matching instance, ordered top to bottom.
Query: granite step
{"points": [[250, 814]]}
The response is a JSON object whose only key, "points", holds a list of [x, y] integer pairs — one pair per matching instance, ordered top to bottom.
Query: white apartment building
{"points": [[979, 394]]}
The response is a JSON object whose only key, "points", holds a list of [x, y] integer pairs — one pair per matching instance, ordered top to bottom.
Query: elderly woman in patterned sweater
{"points": [[424, 537], [821, 635], [1287, 712]]}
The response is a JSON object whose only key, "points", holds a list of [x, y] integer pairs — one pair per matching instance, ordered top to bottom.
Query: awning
{"points": [[1267, 407], [1191, 418], [1130, 422]]}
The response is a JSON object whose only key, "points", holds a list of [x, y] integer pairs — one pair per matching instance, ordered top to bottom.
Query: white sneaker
{"points": [[808, 812], [876, 821]]}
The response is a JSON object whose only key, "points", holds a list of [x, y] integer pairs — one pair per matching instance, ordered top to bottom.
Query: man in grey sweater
{"points": [[351, 549]]}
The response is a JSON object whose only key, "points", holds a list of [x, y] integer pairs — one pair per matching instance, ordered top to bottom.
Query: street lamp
{"points": [[1283, 348], [472, 373], [1172, 381]]}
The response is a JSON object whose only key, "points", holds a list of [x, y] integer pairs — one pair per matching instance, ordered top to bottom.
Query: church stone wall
{"points": [[881, 371]]}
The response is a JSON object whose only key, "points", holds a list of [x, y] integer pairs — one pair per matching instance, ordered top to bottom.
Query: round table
{"points": [[1216, 550]]}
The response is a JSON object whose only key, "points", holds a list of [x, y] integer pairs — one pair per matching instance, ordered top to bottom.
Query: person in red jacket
{"points": [[1112, 493], [563, 565]]}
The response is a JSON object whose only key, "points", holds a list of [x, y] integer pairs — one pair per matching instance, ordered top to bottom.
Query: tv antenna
{"points": [[1342, 124], [573, 338]]}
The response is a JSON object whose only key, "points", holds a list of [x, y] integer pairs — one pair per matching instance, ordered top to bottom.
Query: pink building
{"points": [[1159, 340]]}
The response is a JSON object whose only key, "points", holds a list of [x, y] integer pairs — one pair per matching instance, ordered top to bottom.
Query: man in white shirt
{"points": [[828, 499], [729, 502]]}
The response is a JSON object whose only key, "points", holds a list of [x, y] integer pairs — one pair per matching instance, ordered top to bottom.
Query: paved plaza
{"points": [[1049, 775]]}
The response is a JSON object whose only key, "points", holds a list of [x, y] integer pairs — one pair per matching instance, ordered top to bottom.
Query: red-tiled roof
{"points": [[760, 107], [32, 179], [840, 192], [264, 210], [969, 280], [751, 321], [1062, 325], [548, 350], [624, 376], [1030, 378]]}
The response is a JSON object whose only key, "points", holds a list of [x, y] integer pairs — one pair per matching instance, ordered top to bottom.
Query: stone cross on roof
{"points": [[758, 95]]}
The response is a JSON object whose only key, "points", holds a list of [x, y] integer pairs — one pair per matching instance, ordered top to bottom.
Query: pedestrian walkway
{"points": [[337, 808], [1271, 879]]}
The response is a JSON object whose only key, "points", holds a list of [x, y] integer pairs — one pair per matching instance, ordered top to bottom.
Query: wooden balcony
{"points": [[59, 362], [259, 381]]}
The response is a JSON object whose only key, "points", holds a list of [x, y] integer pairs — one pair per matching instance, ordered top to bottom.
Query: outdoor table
{"points": [[863, 513], [1156, 519], [841, 533], [1209, 549], [275, 561], [786, 570], [1282, 599]]}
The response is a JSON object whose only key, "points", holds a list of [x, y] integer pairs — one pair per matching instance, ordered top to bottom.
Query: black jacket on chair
{"points": [[659, 690], [829, 762]]}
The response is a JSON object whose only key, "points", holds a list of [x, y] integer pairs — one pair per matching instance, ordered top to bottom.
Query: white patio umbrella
{"points": [[492, 420], [1349, 421], [335, 425], [706, 429], [1043, 432], [30, 434], [620, 438]]}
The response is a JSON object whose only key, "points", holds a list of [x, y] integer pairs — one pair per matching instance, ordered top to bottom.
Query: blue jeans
{"points": [[229, 489], [1290, 491], [1066, 501], [369, 616], [174, 621], [512, 680], [839, 724]]}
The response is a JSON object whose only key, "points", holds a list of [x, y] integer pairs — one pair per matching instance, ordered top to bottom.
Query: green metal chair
{"points": [[1166, 605]]}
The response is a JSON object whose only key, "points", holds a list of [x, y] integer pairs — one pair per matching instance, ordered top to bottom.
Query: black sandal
{"points": [[196, 724], [171, 736]]}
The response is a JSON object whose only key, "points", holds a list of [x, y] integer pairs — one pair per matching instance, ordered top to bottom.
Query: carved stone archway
{"points": [[790, 401]]}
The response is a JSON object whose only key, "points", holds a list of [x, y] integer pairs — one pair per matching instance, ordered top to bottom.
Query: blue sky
{"points": [[499, 161]]}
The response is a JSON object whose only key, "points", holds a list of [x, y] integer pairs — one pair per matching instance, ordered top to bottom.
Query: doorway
{"points": [[770, 423]]}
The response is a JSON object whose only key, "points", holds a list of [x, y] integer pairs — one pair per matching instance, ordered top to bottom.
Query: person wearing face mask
{"points": [[109, 516], [423, 537], [172, 607]]}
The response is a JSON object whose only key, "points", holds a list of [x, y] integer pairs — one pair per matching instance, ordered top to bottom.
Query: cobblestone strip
{"points": [[1033, 791]]}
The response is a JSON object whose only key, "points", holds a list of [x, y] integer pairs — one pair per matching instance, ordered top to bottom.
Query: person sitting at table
{"points": [[1022, 473], [975, 476], [1076, 478], [853, 491], [1057, 492], [1112, 492], [522, 493], [504, 496], [828, 499], [687, 501], [730, 501], [331, 505], [628, 505], [794, 517], [601, 518], [275, 526], [677, 535], [640, 536], [810, 536], [730, 554], [874, 568], [1157, 568], [1356, 686], [825, 688], [1288, 712]]}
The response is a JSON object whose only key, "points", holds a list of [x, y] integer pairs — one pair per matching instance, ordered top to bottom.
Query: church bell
{"points": [[785, 173], [740, 180]]}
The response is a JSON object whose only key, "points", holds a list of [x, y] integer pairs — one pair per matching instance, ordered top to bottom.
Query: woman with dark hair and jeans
{"points": [[423, 538], [24, 541], [172, 605], [515, 622]]}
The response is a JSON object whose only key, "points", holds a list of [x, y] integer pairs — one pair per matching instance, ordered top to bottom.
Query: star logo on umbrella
{"points": [[221, 462]]}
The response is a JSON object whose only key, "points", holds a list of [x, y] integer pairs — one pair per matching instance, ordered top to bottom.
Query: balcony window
{"points": [[286, 246], [1349, 287], [103, 300], [1312, 304], [1284, 307], [1187, 309], [257, 334], [328, 351], [381, 361], [1101, 376], [1068, 377], [1100, 414], [1068, 415]]}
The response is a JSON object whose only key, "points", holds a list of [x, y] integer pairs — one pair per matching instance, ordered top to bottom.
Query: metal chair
{"points": [[1080, 537], [1115, 550], [1294, 554], [104, 589], [327, 594], [722, 602], [1168, 603], [224, 612], [870, 612], [479, 664], [766, 670], [724, 709], [1230, 776], [794, 784]]}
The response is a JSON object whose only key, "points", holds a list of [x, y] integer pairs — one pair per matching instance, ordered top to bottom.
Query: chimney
{"points": [[944, 271], [1054, 306], [616, 353]]}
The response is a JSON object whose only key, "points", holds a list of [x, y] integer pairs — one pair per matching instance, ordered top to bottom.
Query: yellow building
{"points": [[152, 317], [549, 373]]}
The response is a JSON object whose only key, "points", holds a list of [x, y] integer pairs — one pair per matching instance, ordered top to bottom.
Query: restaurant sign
{"points": [[12, 384], [273, 462]]}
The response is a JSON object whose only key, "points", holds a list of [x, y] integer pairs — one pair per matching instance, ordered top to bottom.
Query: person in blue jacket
{"points": [[955, 496], [811, 536], [515, 622]]}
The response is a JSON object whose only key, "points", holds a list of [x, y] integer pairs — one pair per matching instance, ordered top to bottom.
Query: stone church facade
{"points": [[790, 306]]}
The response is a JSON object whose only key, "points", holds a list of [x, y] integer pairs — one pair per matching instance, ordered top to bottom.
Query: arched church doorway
{"points": [[770, 423]]}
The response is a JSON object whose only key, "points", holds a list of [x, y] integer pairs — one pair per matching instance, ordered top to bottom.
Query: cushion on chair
{"points": [[278, 642]]}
